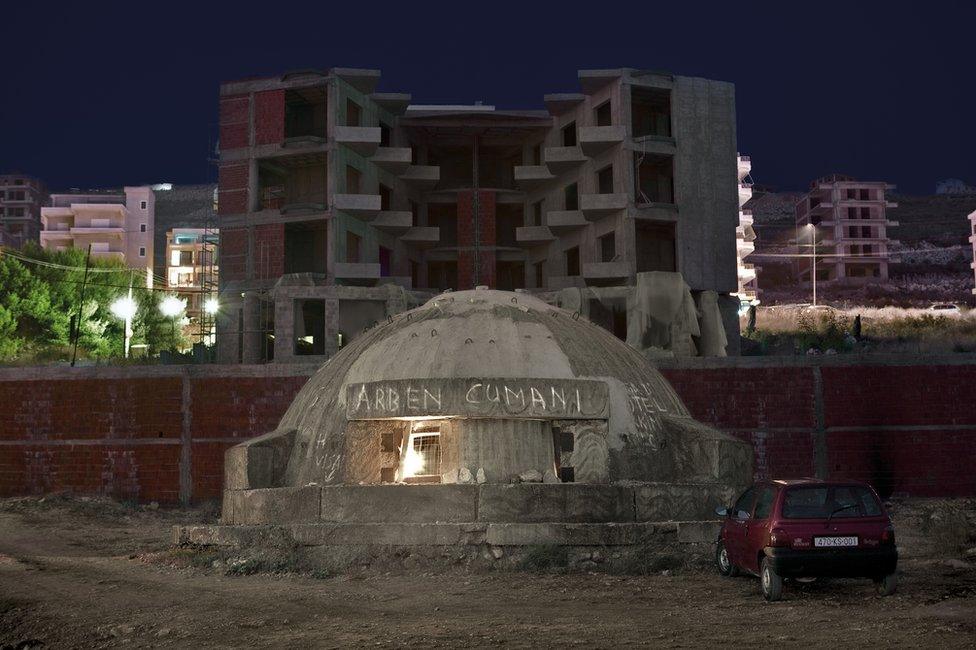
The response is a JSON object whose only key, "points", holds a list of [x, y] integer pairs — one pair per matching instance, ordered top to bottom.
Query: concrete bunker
{"points": [[482, 417]]}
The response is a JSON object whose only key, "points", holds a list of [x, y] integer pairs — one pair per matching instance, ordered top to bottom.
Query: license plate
{"points": [[824, 542]]}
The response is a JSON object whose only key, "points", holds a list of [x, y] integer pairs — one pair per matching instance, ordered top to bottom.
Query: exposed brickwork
{"points": [[234, 113], [269, 117], [232, 188], [487, 218], [465, 219], [269, 250], [233, 253], [122, 435]]}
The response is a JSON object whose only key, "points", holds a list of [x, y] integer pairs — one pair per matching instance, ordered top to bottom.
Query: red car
{"points": [[807, 528]]}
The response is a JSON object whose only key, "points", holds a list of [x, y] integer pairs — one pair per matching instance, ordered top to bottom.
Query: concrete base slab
{"points": [[453, 534]]}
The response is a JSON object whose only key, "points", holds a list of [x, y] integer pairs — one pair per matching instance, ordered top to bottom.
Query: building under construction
{"points": [[340, 206]]}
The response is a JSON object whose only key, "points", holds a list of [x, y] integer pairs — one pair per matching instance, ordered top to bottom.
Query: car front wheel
{"points": [[724, 562], [772, 584], [886, 585]]}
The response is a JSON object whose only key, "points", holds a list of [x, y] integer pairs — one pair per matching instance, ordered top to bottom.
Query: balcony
{"points": [[559, 103], [597, 139], [364, 140], [658, 145], [561, 159], [395, 160], [421, 176], [529, 177], [745, 193], [364, 206], [598, 206], [656, 211], [560, 221], [395, 222], [115, 231], [55, 234], [422, 236], [531, 236], [108, 255], [603, 272], [357, 273]]}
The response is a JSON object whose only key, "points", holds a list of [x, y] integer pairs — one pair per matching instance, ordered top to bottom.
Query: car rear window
{"points": [[819, 502]]}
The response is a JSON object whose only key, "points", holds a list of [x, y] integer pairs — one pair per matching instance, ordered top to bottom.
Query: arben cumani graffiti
{"points": [[478, 397]]}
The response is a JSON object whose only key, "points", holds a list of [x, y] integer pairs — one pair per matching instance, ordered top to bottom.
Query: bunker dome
{"points": [[484, 406]]}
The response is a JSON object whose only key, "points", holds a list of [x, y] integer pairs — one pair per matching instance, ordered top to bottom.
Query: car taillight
{"points": [[888, 536], [778, 537]]}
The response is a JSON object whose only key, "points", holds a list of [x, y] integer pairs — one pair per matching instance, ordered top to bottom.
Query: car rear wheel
{"points": [[724, 562], [772, 584], [886, 585]]}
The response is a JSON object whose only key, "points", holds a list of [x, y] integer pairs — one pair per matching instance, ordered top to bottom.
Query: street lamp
{"points": [[172, 307], [125, 308]]}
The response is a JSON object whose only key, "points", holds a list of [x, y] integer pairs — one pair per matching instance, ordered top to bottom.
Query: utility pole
{"points": [[81, 309]]}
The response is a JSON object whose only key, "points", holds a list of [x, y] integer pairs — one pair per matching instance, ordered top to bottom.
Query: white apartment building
{"points": [[117, 225]]}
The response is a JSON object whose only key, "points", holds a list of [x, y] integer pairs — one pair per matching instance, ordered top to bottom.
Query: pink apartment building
{"points": [[843, 222]]}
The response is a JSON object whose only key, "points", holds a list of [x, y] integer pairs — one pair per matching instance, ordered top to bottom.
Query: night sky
{"points": [[99, 94]]}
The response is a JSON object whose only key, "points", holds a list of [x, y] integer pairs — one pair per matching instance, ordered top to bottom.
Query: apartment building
{"points": [[21, 199], [340, 205], [117, 225], [842, 228], [745, 238], [191, 267]]}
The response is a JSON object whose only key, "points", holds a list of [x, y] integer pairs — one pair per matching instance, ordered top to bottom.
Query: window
{"points": [[650, 111], [353, 113], [603, 115], [385, 134], [569, 135], [537, 154], [654, 179], [353, 180], [604, 180], [571, 194], [852, 194], [865, 195], [386, 197], [142, 205], [414, 213], [537, 213], [852, 213], [865, 213], [142, 227], [852, 231], [865, 231], [353, 243], [608, 247], [655, 247], [142, 251], [386, 261], [573, 261], [539, 276], [309, 327], [421, 457], [822, 502], [764, 504], [743, 507]]}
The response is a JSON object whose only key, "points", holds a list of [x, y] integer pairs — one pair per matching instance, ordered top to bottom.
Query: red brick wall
{"points": [[234, 112], [269, 117], [232, 188], [269, 250], [233, 253], [484, 260], [123, 432]]}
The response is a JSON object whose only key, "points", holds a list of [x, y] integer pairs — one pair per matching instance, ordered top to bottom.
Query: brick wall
{"points": [[234, 113], [269, 117], [232, 188], [269, 250], [233, 253], [159, 433]]}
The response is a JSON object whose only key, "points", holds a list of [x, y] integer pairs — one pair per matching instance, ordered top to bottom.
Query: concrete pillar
{"points": [[253, 335]]}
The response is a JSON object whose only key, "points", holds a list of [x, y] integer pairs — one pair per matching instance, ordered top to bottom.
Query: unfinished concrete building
{"points": [[21, 200], [340, 206], [842, 222], [482, 418]]}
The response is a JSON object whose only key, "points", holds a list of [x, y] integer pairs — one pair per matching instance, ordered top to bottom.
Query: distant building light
{"points": [[161, 187]]}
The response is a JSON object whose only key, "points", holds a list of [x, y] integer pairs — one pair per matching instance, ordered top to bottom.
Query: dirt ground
{"points": [[94, 574]]}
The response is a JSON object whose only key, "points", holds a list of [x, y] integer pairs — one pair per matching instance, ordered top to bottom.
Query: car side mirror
{"points": [[722, 511]]}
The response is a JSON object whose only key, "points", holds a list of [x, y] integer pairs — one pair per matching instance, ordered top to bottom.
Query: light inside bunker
{"points": [[421, 454]]}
